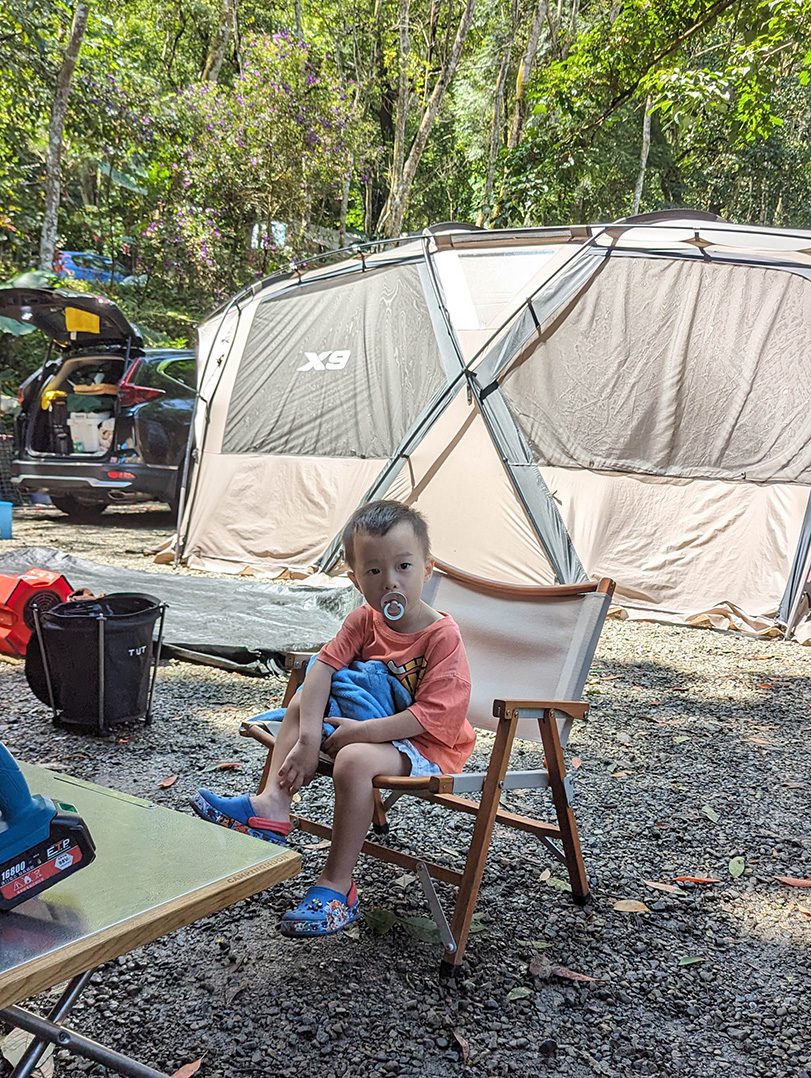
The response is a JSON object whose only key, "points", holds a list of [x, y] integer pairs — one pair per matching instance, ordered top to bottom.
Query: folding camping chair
{"points": [[530, 650]]}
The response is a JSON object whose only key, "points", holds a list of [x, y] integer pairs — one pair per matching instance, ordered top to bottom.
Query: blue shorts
{"points": [[419, 765]]}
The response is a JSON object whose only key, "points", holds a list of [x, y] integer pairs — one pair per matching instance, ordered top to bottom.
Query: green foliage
{"points": [[189, 182]]}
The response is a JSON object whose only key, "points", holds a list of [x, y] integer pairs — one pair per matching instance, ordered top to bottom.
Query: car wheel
{"points": [[77, 509]]}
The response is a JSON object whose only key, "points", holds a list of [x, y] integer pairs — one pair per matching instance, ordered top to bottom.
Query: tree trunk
{"points": [[216, 56], [524, 72], [495, 134], [398, 152], [643, 157], [53, 160], [390, 222]]}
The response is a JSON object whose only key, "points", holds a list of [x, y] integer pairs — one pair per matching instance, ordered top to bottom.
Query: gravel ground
{"points": [[696, 752]]}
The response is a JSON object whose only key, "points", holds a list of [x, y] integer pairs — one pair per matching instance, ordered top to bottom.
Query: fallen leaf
{"points": [[765, 685], [624, 739], [681, 739], [122, 741], [759, 741], [576, 762], [53, 765], [228, 765], [620, 774], [170, 780], [794, 785], [710, 813], [322, 844], [736, 867], [544, 876], [696, 879], [404, 880], [793, 881], [558, 884], [669, 888], [631, 905], [805, 911], [380, 920], [478, 923], [420, 928], [353, 932], [539, 945], [690, 960], [540, 966], [570, 974], [232, 993], [518, 993], [463, 1044], [13, 1047], [188, 1069]]}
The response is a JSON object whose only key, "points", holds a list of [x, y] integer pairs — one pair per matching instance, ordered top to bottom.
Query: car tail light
{"points": [[130, 393], [20, 396], [120, 475]]}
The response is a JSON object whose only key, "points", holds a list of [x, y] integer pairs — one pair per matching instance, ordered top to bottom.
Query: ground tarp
{"points": [[240, 624]]}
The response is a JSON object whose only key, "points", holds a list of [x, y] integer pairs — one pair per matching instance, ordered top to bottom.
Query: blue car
{"points": [[89, 266]]}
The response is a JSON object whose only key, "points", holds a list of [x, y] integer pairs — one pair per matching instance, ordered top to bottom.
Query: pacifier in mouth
{"points": [[393, 605]]}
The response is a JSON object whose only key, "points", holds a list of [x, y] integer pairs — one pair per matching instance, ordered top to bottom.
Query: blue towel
{"points": [[362, 690]]}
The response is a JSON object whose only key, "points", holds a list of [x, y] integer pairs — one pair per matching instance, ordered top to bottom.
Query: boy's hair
{"points": [[378, 518]]}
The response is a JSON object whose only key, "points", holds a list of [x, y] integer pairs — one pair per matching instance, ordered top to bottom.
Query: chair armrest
{"points": [[295, 660], [575, 709], [434, 784]]}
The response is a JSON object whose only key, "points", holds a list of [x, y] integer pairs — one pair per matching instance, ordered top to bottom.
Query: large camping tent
{"points": [[627, 400]]}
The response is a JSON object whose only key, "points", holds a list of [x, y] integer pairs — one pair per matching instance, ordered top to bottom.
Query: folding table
{"points": [[155, 870]]}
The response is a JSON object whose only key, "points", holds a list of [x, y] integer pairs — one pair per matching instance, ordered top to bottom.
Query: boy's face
{"points": [[391, 562]]}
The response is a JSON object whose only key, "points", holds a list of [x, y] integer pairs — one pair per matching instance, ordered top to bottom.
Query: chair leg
{"points": [[265, 771], [565, 813], [379, 821], [480, 842]]}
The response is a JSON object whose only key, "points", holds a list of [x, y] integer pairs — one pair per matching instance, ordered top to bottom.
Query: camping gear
{"points": [[561, 403], [5, 520], [19, 593], [530, 650], [91, 660], [41, 841]]}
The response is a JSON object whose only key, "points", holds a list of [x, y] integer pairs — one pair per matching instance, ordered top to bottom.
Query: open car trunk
{"points": [[77, 408]]}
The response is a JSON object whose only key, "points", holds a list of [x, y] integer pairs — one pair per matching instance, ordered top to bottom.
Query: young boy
{"points": [[387, 548]]}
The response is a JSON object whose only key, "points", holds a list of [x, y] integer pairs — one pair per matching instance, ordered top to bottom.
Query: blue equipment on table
{"points": [[41, 841]]}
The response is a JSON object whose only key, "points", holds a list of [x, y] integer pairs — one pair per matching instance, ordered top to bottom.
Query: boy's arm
{"points": [[314, 696], [371, 731], [300, 763]]}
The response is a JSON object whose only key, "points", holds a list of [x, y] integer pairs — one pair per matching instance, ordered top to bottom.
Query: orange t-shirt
{"points": [[433, 667]]}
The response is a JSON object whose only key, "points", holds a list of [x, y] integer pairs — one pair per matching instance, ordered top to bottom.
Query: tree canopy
{"points": [[206, 142]]}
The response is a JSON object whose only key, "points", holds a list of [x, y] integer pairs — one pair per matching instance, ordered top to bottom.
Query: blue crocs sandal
{"points": [[237, 813], [322, 912]]}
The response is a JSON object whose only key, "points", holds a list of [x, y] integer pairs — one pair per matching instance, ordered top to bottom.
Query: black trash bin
{"points": [[94, 660]]}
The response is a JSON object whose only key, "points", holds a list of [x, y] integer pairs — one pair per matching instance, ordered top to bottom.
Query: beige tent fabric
{"points": [[482, 289], [669, 367], [456, 479], [272, 514], [669, 542]]}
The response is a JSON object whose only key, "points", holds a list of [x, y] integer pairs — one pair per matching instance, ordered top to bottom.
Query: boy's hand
{"points": [[346, 731], [298, 767]]}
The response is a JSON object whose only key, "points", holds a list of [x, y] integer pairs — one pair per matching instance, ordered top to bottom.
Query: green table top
{"points": [[155, 870]]}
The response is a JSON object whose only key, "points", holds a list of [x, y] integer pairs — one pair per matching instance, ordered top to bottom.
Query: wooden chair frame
{"points": [[487, 811]]}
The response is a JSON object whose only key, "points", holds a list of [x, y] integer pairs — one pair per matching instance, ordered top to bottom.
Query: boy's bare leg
{"points": [[355, 767], [273, 801]]}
